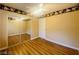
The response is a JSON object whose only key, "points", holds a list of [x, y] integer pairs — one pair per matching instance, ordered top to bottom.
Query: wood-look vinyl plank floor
{"points": [[17, 38], [40, 46]]}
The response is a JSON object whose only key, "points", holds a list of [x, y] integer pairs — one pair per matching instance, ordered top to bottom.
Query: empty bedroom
{"points": [[39, 28]]}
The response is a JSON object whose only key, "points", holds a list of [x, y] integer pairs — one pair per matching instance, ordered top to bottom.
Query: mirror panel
{"points": [[13, 32], [3, 33]]}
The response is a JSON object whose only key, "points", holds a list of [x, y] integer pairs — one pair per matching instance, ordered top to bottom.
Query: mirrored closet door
{"points": [[18, 30], [3, 31], [14, 35]]}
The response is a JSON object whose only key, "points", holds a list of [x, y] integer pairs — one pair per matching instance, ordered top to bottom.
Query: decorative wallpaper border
{"points": [[11, 9], [66, 10], [10, 18]]}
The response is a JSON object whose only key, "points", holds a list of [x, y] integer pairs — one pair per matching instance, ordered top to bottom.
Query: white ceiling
{"points": [[22, 6], [57, 6], [48, 7]]}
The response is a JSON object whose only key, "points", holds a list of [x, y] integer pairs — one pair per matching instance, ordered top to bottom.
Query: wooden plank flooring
{"points": [[17, 38], [40, 47]]}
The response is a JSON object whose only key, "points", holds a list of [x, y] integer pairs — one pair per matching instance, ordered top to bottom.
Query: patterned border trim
{"points": [[7, 8], [66, 10], [10, 18]]}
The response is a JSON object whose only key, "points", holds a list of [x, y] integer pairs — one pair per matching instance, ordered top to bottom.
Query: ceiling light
{"points": [[41, 5], [38, 11]]}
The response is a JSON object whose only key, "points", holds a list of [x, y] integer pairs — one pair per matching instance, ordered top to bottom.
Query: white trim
{"points": [[28, 33], [14, 34], [18, 34], [33, 38], [61, 44], [3, 48]]}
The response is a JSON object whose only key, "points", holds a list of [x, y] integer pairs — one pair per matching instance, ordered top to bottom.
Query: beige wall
{"points": [[28, 23], [17, 27], [42, 27], [34, 28], [64, 29], [3, 30]]}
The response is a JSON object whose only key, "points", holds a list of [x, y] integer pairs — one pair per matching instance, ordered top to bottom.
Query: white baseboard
{"points": [[28, 33], [13, 34], [18, 34], [34, 38], [61, 44], [3, 48]]}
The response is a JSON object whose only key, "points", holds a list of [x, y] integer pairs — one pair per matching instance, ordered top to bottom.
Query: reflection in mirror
{"points": [[13, 31], [18, 31]]}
